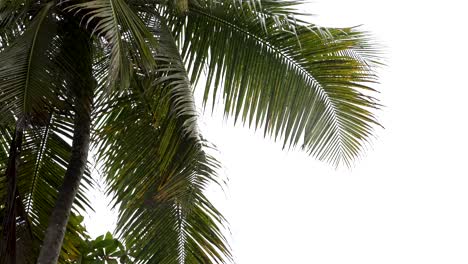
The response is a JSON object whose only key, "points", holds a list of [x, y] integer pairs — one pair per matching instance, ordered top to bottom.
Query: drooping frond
{"points": [[128, 41], [26, 72], [36, 83], [302, 83], [306, 85], [44, 158], [158, 188], [164, 215]]}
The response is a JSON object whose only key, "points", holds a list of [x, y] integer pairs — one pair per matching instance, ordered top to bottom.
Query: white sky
{"points": [[405, 202]]}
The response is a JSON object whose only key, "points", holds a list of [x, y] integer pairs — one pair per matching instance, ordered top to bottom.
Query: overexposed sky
{"points": [[405, 201]]}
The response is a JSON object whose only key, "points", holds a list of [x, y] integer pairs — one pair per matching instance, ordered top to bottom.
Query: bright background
{"points": [[404, 202]]}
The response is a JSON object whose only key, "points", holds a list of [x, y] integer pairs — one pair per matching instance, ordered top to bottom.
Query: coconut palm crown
{"points": [[117, 77]]}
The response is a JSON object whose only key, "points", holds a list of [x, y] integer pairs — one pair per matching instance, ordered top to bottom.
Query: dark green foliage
{"points": [[302, 83], [305, 85], [44, 158], [105, 249]]}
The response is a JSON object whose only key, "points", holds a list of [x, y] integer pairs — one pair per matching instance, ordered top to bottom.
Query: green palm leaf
{"points": [[123, 34], [27, 70], [304, 84], [44, 158], [160, 199], [164, 216]]}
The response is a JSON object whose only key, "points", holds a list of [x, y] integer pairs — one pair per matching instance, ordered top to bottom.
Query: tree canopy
{"points": [[133, 65]]}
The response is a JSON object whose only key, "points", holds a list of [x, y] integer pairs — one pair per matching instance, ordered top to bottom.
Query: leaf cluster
{"points": [[308, 86]]}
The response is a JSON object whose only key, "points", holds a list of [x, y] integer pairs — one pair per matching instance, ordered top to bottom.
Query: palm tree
{"points": [[118, 75]]}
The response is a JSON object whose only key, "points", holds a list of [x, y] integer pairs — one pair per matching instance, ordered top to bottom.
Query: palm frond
{"points": [[122, 32], [305, 84], [29, 86], [44, 159], [158, 188], [164, 215]]}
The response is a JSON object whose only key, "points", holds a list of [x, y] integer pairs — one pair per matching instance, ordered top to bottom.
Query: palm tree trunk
{"points": [[79, 43], [58, 220], [8, 248]]}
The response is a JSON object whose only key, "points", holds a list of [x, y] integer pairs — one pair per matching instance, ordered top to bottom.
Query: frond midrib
{"points": [[44, 14], [330, 105], [40, 155]]}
